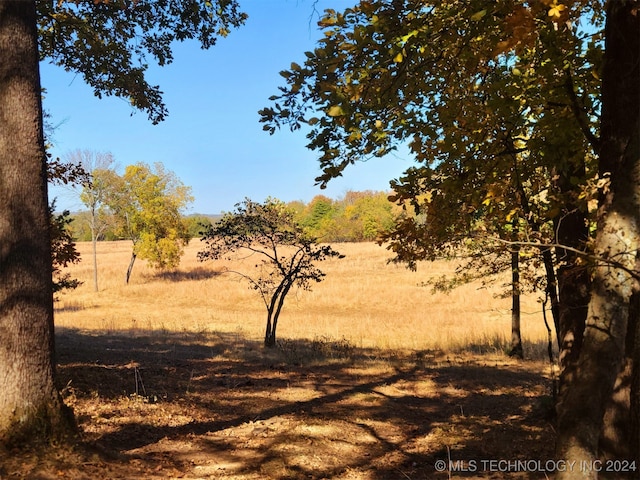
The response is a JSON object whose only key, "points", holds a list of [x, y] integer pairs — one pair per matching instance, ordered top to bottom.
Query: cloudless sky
{"points": [[212, 139]]}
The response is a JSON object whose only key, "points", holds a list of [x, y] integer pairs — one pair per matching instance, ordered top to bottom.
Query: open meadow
{"points": [[363, 300], [374, 376]]}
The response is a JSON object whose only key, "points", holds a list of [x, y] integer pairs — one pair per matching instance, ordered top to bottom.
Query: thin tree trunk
{"points": [[94, 240], [547, 256], [130, 268], [552, 288], [273, 311], [276, 314], [269, 334], [516, 337], [582, 403], [30, 408]]}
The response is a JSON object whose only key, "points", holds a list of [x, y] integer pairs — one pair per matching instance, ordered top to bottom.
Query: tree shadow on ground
{"points": [[196, 273], [217, 405]]}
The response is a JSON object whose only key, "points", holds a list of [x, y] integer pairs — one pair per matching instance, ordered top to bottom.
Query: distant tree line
{"points": [[355, 217]]}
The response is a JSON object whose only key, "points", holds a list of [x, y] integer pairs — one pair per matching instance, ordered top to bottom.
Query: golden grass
{"points": [[363, 300]]}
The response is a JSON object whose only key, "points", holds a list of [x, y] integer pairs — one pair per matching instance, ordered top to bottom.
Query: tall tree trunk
{"points": [[573, 279], [573, 292], [516, 337], [634, 394], [582, 403], [30, 407], [621, 423], [620, 427]]}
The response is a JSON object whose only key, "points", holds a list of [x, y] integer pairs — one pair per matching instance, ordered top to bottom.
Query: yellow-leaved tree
{"points": [[148, 203]]}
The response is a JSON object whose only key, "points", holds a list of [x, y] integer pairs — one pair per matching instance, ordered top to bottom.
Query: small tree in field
{"points": [[99, 167], [147, 201], [287, 255]]}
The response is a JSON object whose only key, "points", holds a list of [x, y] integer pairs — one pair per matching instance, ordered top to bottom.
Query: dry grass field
{"points": [[363, 300], [374, 377]]}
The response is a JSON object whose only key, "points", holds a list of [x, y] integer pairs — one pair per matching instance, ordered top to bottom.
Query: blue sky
{"points": [[212, 139]]}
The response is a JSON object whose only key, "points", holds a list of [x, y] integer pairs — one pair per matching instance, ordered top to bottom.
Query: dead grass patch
{"points": [[364, 300]]}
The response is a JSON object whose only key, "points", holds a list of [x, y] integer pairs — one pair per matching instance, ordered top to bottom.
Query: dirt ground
{"points": [[209, 406]]}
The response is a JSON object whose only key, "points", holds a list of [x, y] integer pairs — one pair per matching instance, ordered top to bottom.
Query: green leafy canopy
{"points": [[109, 42], [498, 104]]}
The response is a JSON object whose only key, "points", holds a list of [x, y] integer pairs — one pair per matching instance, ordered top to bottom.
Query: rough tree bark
{"points": [[573, 280], [573, 292], [634, 393], [582, 403], [30, 407]]}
